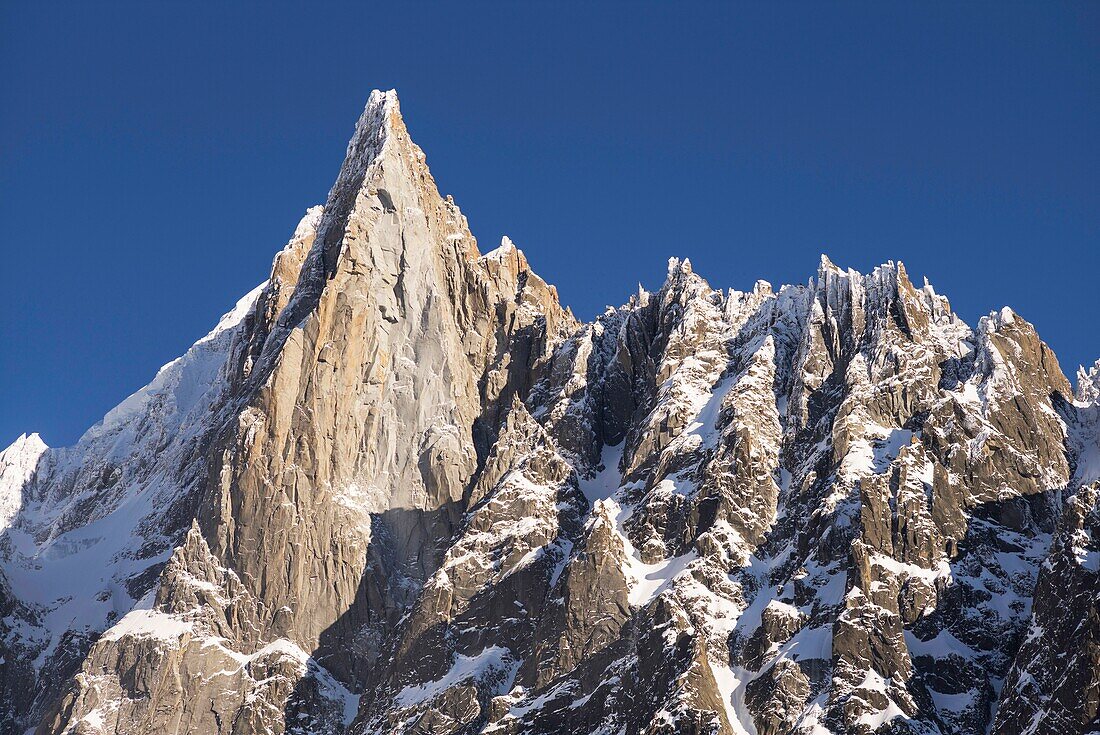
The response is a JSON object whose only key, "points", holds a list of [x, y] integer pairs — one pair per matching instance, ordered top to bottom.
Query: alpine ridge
{"points": [[400, 488]]}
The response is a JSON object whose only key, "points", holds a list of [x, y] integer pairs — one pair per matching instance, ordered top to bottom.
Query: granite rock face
{"points": [[401, 489]]}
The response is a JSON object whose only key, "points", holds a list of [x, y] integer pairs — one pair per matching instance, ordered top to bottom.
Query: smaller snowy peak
{"points": [[308, 225], [507, 249], [510, 258], [676, 266], [829, 272], [683, 282], [762, 288], [938, 304], [236, 315], [996, 320], [182, 384], [1088, 384], [26, 444], [22, 455], [17, 465]]}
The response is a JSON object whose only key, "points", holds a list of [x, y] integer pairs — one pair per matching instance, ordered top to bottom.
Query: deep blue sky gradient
{"points": [[153, 159]]}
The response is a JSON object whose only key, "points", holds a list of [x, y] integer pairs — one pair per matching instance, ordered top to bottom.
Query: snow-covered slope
{"points": [[400, 489], [86, 528]]}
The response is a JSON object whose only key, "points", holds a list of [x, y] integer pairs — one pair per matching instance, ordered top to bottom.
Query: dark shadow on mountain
{"points": [[406, 547]]}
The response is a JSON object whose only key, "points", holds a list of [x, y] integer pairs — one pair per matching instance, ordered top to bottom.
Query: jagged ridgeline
{"points": [[400, 489]]}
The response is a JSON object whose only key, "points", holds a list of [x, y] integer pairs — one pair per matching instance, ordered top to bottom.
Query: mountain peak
{"points": [[380, 116], [504, 250], [1088, 383], [24, 442], [17, 465], [400, 487]]}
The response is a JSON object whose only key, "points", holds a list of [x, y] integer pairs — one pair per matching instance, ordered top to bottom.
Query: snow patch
{"points": [[605, 483], [148, 624], [493, 659]]}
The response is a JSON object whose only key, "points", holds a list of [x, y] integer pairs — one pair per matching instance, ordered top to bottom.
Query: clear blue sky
{"points": [[152, 160]]}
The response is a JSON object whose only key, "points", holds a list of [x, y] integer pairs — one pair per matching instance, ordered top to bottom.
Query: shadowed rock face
{"points": [[400, 489]]}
